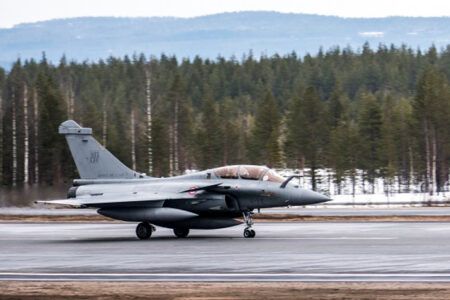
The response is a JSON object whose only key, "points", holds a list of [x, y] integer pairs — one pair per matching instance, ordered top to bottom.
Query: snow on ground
{"points": [[379, 193], [393, 199]]}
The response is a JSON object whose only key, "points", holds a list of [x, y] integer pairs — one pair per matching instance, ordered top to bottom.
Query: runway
{"points": [[309, 210], [361, 211], [281, 251], [227, 277]]}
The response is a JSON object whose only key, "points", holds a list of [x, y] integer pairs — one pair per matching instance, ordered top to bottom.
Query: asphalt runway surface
{"points": [[309, 210], [362, 211], [315, 251]]}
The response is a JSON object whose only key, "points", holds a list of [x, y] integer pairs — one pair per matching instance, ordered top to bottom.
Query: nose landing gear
{"points": [[144, 230], [248, 231]]}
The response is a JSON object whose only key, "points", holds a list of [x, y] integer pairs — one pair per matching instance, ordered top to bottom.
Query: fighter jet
{"points": [[208, 199]]}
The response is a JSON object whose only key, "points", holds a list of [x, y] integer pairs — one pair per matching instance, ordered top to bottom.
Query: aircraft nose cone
{"points": [[313, 197]]}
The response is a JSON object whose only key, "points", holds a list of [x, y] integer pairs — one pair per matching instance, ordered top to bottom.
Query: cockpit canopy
{"points": [[248, 172]]}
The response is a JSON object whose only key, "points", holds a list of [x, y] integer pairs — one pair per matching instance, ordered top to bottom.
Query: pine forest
{"points": [[383, 111]]}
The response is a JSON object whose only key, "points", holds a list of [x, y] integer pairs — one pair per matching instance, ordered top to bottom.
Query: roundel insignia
{"points": [[193, 192]]}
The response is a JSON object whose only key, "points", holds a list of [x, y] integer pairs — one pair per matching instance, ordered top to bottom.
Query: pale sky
{"points": [[13, 12]]}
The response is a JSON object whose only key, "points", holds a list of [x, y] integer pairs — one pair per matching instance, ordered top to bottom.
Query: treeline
{"points": [[384, 111]]}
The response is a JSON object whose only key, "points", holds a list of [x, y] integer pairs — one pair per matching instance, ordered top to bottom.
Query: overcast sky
{"points": [[13, 12]]}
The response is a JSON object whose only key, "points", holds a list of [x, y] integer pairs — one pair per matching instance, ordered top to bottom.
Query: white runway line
{"points": [[232, 274], [307, 277]]}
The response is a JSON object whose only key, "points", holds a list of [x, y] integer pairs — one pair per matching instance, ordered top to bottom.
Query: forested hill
{"points": [[208, 36], [384, 112]]}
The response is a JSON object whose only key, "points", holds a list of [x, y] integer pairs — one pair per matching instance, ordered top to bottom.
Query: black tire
{"points": [[144, 231], [181, 232], [248, 233]]}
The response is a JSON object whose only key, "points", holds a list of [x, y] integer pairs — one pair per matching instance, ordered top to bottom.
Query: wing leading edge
{"points": [[113, 200]]}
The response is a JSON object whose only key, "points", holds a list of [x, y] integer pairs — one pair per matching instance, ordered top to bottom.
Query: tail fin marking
{"points": [[93, 161]]}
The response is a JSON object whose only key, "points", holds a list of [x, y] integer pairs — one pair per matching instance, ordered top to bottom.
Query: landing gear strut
{"points": [[144, 230], [248, 231], [181, 232]]}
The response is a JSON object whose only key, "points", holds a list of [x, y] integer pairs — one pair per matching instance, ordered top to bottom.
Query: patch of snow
{"points": [[374, 34], [358, 191], [392, 199]]}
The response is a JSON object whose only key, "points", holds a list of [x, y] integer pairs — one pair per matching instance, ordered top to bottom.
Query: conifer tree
{"points": [[2, 83], [431, 109], [370, 123], [180, 127], [307, 131], [209, 136], [232, 136], [51, 145], [264, 146], [160, 147], [344, 152]]}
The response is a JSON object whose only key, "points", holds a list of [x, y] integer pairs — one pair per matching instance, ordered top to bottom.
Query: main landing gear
{"points": [[144, 230], [248, 231], [181, 232]]}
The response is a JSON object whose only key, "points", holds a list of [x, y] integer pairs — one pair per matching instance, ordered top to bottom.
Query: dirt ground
{"points": [[257, 218], [234, 290]]}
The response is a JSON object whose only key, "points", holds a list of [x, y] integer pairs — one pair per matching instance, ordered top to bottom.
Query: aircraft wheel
{"points": [[144, 231], [181, 232], [249, 233]]}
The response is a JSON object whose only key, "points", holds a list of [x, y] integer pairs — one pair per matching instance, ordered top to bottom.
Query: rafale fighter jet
{"points": [[208, 199]]}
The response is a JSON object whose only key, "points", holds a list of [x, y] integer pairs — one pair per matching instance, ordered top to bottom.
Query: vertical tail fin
{"points": [[93, 161]]}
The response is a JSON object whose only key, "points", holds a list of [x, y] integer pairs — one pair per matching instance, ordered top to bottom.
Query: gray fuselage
{"points": [[215, 207]]}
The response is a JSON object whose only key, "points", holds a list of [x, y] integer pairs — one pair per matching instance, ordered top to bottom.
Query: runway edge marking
{"points": [[307, 277]]}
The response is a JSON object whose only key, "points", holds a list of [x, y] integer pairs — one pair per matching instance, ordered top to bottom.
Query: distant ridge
{"points": [[223, 34]]}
